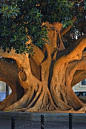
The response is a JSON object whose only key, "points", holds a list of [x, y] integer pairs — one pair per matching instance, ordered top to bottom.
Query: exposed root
{"points": [[30, 95], [36, 97], [40, 99], [58, 99], [73, 100], [8, 101], [37, 101], [44, 102], [19, 104], [83, 109]]}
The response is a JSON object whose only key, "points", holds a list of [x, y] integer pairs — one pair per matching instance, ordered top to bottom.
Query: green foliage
{"points": [[9, 10], [56, 10], [20, 18]]}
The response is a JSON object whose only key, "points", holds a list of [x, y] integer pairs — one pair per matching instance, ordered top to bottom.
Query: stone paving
{"points": [[33, 120], [24, 124]]}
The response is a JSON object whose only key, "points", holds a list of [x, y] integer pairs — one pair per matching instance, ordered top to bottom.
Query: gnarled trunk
{"points": [[44, 81]]}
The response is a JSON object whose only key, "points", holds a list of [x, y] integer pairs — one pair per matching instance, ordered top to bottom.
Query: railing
{"points": [[42, 121]]}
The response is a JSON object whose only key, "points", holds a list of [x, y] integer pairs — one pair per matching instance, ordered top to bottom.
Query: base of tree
{"points": [[42, 101]]}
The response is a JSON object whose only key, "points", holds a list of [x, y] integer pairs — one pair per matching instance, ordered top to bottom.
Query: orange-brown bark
{"points": [[9, 74], [46, 78]]}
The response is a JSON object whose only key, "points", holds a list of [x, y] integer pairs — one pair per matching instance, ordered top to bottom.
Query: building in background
{"points": [[80, 87], [4, 90], [80, 90]]}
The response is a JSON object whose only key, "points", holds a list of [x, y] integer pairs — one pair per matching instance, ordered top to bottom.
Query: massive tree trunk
{"points": [[44, 82]]}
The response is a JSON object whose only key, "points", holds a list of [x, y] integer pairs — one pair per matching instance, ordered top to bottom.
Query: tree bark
{"points": [[9, 75], [44, 82]]}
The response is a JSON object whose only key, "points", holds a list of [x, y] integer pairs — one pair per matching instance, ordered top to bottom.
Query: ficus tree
{"points": [[41, 58]]}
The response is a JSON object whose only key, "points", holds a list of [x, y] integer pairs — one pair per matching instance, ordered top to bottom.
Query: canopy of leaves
{"points": [[20, 18], [79, 27]]}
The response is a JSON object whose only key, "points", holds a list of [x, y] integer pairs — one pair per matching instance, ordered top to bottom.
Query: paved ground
{"points": [[51, 120], [6, 124]]}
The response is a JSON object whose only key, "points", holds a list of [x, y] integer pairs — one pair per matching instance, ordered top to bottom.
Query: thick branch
{"points": [[54, 36], [12, 54], [75, 54], [39, 55], [22, 60], [62, 63], [45, 66], [73, 67], [35, 69], [8, 73], [80, 74], [76, 79]]}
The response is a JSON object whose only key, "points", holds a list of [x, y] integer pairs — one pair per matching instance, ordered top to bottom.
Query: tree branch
{"points": [[38, 54], [75, 54], [19, 58], [22, 60], [62, 62], [45, 65], [74, 70], [8, 73], [81, 76]]}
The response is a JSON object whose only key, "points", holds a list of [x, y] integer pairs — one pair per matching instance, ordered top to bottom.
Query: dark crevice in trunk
{"points": [[50, 73], [19, 90]]}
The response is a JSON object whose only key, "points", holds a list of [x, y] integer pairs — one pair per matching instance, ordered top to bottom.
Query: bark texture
{"points": [[44, 82]]}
